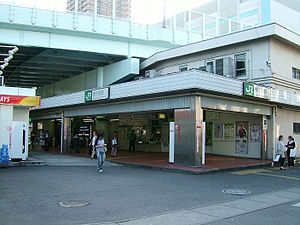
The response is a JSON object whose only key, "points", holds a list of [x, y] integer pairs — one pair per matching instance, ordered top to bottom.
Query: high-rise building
{"points": [[104, 7]]}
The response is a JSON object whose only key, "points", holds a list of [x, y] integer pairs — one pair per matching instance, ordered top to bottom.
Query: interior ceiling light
{"points": [[3, 66]]}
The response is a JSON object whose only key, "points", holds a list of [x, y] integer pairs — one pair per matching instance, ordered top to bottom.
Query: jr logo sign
{"points": [[248, 89], [88, 96]]}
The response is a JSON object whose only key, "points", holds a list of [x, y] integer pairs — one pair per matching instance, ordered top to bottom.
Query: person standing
{"points": [[47, 140], [132, 140], [93, 143], [114, 144], [290, 145], [100, 150], [281, 150]]}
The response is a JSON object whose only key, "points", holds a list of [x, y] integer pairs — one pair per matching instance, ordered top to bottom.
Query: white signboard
{"points": [[262, 92], [99, 94], [172, 142]]}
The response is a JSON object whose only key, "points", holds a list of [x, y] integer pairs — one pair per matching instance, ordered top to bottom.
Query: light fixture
{"points": [[13, 51], [7, 59], [3, 66], [1, 72], [113, 120]]}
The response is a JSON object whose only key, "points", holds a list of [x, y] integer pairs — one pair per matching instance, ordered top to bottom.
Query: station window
{"points": [[219, 66], [210, 67], [183, 68], [240, 68], [296, 73], [296, 128]]}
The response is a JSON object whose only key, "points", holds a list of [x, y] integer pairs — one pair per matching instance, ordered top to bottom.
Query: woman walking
{"points": [[93, 144], [114, 144], [290, 146], [100, 150], [281, 150]]}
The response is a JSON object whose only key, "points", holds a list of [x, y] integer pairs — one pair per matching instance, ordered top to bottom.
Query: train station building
{"points": [[232, 95]]}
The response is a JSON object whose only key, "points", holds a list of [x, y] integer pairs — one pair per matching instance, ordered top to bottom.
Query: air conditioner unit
{"points": [[150, 73], [1, 80]]}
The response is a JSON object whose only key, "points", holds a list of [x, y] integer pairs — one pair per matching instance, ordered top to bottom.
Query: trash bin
{"points": [[4, 157]]}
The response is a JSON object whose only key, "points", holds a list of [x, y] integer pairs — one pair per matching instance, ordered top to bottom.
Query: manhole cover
{"points": [[237, 191], [74, 203]]}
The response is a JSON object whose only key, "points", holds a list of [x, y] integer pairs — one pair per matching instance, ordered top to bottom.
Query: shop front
{"points": [[151, 130], [233, 134]]}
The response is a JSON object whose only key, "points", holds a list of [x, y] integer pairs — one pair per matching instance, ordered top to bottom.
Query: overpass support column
{"points": [[188, 134], [66, 135]]}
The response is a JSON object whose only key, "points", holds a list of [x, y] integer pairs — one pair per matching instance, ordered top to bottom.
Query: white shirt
{"points": [[94, 140], [281, 148]]}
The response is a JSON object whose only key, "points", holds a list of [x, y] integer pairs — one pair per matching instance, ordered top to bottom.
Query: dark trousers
{"points": [[131, 146], [290, 159], [281, 161], [291, 162]]}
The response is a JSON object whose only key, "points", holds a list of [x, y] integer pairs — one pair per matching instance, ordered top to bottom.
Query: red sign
{"points": [[20, 100]]}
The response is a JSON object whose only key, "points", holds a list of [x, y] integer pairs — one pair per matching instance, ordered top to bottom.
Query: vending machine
{"points": [[18, 141]]}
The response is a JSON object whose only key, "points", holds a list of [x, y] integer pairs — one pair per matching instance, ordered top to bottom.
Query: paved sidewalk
{"points": [[66, 160], [214, 163], [216, 212]]}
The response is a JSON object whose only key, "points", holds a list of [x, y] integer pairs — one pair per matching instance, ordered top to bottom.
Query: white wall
{"points": [[285, 16], [256, 53], [283, 58], [118, 70], [99, 77], [81, 82], [17, 91], [21, 114], [6, 117], [284, 125], [228, 147]]}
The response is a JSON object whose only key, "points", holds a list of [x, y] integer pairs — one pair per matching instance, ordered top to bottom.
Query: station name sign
{"points": [[254, 90], [97, 94], [20, 100]]}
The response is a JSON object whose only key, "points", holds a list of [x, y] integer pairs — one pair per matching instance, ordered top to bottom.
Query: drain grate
{"points": [[237, 191], [74, 203]]}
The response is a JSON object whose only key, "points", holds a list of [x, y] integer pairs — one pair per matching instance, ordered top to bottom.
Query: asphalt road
{"points": [[31, 195]]}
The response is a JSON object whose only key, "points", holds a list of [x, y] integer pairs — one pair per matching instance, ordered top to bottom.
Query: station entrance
{"points": [[151, 130], [231, 139]]}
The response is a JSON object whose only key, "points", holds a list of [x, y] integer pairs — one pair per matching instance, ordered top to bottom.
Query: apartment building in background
{"points": [[104, 7], [220, 17]]}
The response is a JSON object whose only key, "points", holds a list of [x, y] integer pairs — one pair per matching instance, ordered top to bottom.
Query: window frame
{"points": [[213, 66], [222, 66], [236, 70], [295, 73], [296, 128]]}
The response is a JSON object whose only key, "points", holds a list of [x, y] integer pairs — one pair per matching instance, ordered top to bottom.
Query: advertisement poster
{"points": [[218, 132], [229, 132], [255, 132], [208, 133], [241, 140]]}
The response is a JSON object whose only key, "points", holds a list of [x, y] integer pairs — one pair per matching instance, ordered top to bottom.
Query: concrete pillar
{"points": [[100, 77], [188, 142], [66, 146]]}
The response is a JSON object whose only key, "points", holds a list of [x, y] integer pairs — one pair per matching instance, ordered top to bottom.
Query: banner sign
{"points": [[256, 91], [96, 94], [20, 100]]}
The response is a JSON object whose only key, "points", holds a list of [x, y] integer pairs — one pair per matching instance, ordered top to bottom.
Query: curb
{"points": [[30, 162], [176, 170]]}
